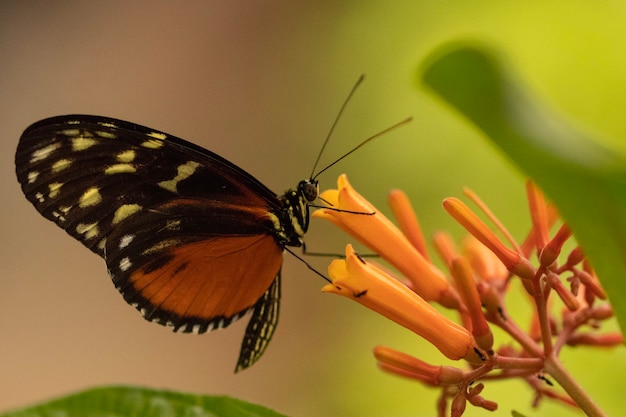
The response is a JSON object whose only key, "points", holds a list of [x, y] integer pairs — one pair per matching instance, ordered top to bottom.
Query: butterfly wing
{"points": [[189, 238], [260, 327]]}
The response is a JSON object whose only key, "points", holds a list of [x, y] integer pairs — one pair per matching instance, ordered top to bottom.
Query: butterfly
{"points": [[189, 239]]}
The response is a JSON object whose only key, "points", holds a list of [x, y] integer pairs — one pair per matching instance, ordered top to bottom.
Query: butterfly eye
{"points": [[309, 189]]}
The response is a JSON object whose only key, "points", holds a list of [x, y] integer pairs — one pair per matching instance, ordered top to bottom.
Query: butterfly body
{"points": [[190, 239]]}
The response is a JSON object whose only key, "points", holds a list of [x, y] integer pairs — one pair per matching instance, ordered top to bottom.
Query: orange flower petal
{"points": [[379, 234], [513, 260], [371, 287]]}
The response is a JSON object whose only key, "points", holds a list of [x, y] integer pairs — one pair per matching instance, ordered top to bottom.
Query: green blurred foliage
{"points": [[133, 401]]}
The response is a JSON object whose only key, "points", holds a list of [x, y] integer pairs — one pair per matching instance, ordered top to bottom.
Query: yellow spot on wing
{"points": [[104, 134], [158, 135], [81, 143], [152, 144], [43, 153], [126, 156], [60, 165], [119, 169], [184, 171], [32, 176], [54, 189], [91, 197], [124, 211], [173, 225], [89, 231], [164, 244]]}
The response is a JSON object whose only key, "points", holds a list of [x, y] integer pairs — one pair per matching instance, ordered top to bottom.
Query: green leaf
{"points": [[584, 178], [132, 401]]}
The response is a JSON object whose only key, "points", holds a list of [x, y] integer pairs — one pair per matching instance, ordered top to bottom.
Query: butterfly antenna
{"points": [[332, 128], [382, 132], [308, 265]]}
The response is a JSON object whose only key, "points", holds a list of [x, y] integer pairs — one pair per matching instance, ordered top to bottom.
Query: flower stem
{"points": [[542, 312], [555, 368]]}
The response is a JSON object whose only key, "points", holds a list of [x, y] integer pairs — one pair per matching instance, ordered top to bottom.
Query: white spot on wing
{"points": [[40, 198], [60, 218], [125, 241], [124, 265]]}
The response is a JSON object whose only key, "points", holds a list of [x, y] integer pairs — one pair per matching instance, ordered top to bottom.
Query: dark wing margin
{"points": [[261, 327]]}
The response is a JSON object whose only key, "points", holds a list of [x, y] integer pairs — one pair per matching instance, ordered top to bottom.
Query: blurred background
{"points": [[260, 84]]}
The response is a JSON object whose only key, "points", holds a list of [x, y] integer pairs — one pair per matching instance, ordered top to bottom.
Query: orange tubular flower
{"points": [[403, 211], [379, 234], [513, 260], [483, 261], [481, 271], [462, 274], [373, 288], [407, 365]]}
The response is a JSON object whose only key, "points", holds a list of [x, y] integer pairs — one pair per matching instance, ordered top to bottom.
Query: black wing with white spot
{"points": [[89, 174], [190, 240]]}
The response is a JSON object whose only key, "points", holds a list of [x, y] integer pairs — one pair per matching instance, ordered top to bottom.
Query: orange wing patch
{"points": [[210, 279]]}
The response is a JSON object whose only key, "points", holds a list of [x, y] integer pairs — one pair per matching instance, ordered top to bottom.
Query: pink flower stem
{"points": [[541, 303], [509, 326], [506, 362], [555, 368]]}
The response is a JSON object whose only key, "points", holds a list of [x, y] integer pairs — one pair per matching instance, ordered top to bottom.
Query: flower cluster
{"points": [[477, 278]]}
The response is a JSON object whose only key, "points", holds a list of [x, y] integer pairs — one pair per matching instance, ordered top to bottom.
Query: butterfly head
{"points": [[309, 190]]}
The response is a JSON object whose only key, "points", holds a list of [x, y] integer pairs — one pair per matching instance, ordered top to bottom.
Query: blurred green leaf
{"points": [[585, 179], [132, 401]]}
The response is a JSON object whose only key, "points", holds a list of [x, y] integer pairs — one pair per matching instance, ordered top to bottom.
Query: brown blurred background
{"points": [[260, 83]]}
